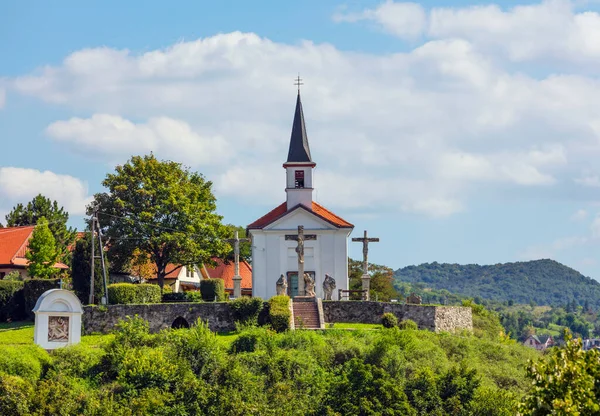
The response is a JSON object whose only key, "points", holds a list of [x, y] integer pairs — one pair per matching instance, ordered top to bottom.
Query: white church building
{"points": [[274, 234]]}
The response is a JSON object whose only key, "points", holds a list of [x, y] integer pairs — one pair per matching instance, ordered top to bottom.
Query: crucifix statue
{"points": [[300, 252], [237, 279], [366, 279]]}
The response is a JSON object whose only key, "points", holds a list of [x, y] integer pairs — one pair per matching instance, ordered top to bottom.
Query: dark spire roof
{"points": [[299, 149]]}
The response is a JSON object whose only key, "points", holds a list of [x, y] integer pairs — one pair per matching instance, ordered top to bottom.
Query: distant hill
{"points": [[546, 282]]}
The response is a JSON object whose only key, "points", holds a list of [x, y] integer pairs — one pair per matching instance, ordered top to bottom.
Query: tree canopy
{"points": [[164, 210], [57, 218], [42, 253], [382, 280]]}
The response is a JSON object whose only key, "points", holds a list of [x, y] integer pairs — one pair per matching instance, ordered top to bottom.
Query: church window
{"points": [[299, 183]]}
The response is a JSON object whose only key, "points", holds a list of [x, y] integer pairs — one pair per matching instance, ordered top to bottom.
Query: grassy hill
{"points": [[545, 282]]}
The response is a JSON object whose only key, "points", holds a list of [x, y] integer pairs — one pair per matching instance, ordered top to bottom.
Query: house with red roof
{"points": [[274, 235], [14, 242], [226, 270], [180, 278]]}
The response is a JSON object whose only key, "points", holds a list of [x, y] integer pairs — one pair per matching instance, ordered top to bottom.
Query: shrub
{"points": [[14, 276], [33, 289], [213, 290], [124, 293], [174, 297], [182, 297], [11, 301], [246, 310], [279, 313], [389, 320], [408, 324], [250, 340], [27, 361], [14, 395]]}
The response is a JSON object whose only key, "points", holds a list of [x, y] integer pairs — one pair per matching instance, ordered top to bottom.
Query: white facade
{"points": [[273, 255], [190, 275]]}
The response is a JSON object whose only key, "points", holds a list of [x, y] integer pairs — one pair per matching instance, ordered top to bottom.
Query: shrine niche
{"points": [[57, 319]]}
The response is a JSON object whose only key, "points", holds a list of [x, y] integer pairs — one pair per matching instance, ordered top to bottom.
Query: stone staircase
{"points": [[307, 314]]}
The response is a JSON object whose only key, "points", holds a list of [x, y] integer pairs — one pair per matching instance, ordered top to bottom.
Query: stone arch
{"points": [[180, 322]]}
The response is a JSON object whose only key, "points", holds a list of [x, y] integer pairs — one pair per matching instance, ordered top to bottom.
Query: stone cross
{"points": [[300, 251], [237, 279], [366, 279]]}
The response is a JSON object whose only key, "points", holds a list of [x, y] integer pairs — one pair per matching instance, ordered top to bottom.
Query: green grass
{"points": [[344, 325], [17, 336]]}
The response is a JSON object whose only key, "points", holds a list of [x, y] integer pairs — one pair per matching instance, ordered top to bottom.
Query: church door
{"points": [[292, 284]]}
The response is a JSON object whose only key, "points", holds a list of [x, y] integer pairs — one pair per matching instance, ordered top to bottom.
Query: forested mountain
{"points": [[545, 282]]}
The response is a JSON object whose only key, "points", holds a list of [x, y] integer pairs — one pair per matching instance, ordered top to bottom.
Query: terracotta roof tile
{"points": [[317, 209], [13, 246], [226, 271]]}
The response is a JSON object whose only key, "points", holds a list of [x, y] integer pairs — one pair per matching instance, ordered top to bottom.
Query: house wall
{"points": [[7, 270], [183, 278]]}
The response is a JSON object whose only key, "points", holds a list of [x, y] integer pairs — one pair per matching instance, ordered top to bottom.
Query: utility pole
{"points": [[96, 227], [92, 263]]}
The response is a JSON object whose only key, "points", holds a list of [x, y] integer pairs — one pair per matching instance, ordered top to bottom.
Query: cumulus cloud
{"points": [[551, 29], [421, 131], [115, 137], [19, 185], [579, 215]]}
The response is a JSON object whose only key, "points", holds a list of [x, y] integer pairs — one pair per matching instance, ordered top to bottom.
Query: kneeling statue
{"points": [[309, 285], [281, 286], [328, 286]]}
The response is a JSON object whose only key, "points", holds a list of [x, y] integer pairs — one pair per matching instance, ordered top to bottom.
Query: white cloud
{"points": [[405, 20], [551, 29], [2, 97], [432, 126], [115, 137], [589, 180], [21, 185], [579, 215], [595, 227]]}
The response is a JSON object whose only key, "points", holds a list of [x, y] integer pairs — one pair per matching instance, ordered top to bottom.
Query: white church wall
{"points": [[290, 223]]}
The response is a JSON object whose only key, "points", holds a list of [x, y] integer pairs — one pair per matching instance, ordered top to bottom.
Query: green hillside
{"points": [[545, 282]]}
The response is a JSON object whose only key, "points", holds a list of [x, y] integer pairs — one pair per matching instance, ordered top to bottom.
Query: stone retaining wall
{"points": [[433, 318], [98, 319]]}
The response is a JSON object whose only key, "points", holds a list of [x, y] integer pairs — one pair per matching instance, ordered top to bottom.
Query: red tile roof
{"points": [[317, 209], [13, 246], [172, 269], [225, 271]]}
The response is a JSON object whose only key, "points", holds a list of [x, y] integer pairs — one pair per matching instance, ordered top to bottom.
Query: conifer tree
{"points": [[42, 253]]}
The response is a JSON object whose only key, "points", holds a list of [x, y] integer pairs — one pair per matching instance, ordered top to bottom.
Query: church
{"points": [[275, 235]]}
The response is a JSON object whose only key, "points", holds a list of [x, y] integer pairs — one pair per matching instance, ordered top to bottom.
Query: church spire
{"points": [[299, 149]]}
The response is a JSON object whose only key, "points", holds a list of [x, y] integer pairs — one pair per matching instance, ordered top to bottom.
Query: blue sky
{"points": [[460, 131]]}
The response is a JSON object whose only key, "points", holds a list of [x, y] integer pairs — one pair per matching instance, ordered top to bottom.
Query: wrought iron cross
{"points": [[298, 82], [365, 240], [236, 250]]}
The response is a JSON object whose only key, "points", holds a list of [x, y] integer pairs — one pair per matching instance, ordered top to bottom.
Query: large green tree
{"points": [[162, 209], [57, 217], [42, 253]]}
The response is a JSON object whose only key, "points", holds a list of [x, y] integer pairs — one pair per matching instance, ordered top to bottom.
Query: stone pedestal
{"points": [[366, 284], [237, 286], [57, 319]]}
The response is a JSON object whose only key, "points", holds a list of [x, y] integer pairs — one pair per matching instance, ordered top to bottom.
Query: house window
{"points": [[299, 182], [189, 271], [2, 274]]}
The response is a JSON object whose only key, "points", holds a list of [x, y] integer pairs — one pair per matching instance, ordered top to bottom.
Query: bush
{"points": [[14, 276], [33, 289], [213, 290], [124, 293], [182, 297], [11, 301], [246, 310], [279, 313], [389, 320], [408, 324], [27, 361], [14, 395]]}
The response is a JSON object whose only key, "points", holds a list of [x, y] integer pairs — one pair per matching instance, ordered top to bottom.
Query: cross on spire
{"points": [[298, 82]]}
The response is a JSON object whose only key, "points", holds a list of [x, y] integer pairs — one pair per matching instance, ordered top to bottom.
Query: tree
{"points": [[162, 209], [57, 217], [42, 253], [81, 271], [565, 382]]}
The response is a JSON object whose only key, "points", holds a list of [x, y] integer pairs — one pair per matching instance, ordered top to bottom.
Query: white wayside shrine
{"points": [[323, 245], [57, 319]]}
